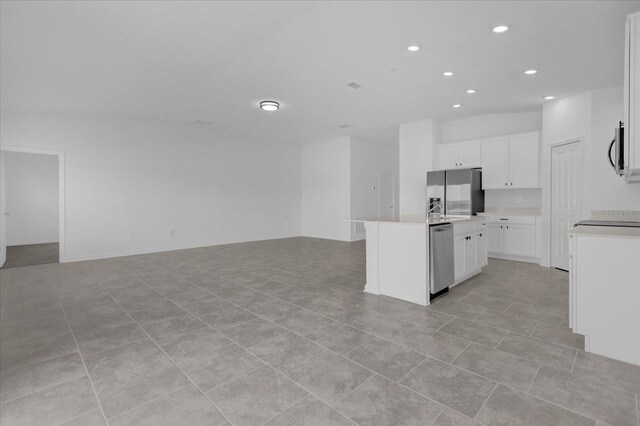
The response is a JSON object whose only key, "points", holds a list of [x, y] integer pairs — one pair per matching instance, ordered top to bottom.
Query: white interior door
{"points": [[387, 195], [566, 199], [3, 216]]}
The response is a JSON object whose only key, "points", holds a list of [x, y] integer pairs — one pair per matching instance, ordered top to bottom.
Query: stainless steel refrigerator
{"points": [[459, 191]]}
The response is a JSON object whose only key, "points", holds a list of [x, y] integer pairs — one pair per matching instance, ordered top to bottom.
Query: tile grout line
{"points": [[174, 363], [573, 364], [533, 380], [95, 393], [486, 400], [150, 401]]}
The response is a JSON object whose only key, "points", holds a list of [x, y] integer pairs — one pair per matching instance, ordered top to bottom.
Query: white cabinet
{"points": [[631, 114], [470, 154], [460, 155], [447, 156], [510, 162], [495, 163], [512, 237], [519, 239], [482, 244], [469, 249], [459, 255]]}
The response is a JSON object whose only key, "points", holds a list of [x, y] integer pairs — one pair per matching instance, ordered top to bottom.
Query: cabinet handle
{"points": [[511, 183], [505, 184], [500, 226], [507, 227], [480, 235]]}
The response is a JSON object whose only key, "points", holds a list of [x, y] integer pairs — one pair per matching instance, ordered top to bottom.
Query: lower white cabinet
{"points": [[512, 236], [469, 249]]}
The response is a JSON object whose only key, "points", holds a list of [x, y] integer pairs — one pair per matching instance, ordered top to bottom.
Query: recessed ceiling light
{"points": [[500, 29], [413, 48], [531, 72], [447, 73], [471, 91], [548, 98], [269, 105], [457, 106]]}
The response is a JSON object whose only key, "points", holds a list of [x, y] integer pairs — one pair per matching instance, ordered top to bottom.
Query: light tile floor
{"points": [[279, 332]]}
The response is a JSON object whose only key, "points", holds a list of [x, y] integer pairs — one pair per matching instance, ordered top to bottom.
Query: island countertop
{"points": [[415, 219]]}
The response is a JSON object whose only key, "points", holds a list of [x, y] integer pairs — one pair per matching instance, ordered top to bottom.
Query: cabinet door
{"points": [[470, 154], [447, 156], [495, 158], [524, 160], [494, 238], [520, 240], [459, 245], [482, 248], [471, 253]]}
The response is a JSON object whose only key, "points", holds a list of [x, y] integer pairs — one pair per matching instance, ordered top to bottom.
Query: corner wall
{"points": [[592, 117], [416, 157], [326, 191]]}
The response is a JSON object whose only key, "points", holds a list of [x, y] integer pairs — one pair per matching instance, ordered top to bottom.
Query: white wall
{"points": [[592, 117], [490, 125], [416, 157], [368, 160], [130, 183], [326, 189], [32, 198], [513, 198]]}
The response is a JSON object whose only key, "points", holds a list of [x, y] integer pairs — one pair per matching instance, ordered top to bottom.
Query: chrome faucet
{"points": [[434, 203]]}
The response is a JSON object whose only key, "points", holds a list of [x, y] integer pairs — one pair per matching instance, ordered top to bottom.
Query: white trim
{"points": [[579, 139], [61, 192]]}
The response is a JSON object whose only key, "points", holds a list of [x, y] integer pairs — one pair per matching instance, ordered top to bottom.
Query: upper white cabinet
{"points": [[632, 96], [462, 155], [510, 162], [495, 163]]}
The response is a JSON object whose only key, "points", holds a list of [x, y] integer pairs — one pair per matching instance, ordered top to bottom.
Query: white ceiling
{"points": [[184, 61]]}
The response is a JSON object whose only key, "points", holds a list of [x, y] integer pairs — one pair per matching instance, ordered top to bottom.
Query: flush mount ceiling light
{"points": [[500, 29], [413, 48], [531, 72], [447, 73], [471, 91], [548, 98], [269, 105], [457, 105]]}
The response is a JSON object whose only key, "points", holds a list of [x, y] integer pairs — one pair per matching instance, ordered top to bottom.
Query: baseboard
{"points": [[31, 243], [514, 258], [68, 259]]}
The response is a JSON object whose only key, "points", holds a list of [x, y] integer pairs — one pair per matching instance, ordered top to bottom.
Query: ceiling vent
{"points": [[354, 85], [201, 123], [344, 126]]}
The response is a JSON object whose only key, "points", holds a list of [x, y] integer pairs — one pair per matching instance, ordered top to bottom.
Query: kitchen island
{"points": [[398, 254]]}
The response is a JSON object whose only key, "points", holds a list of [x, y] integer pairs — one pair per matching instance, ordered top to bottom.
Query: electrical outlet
{"points": [[519, 199], [172, 233]]}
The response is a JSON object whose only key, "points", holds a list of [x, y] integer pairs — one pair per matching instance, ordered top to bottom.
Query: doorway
{"points": [[566, 198], [31, 213]]}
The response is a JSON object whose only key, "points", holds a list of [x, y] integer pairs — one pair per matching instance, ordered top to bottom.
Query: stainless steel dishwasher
{"points": [[441, 267]]}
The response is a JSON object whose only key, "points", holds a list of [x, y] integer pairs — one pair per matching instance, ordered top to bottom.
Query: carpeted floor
{"points": [[31, 254]]}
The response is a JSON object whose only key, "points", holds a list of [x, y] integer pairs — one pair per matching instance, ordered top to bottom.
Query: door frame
{"points": [[550, 176], [62, 255]]}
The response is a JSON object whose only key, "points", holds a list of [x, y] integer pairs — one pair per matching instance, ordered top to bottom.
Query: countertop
{"points": [[511, 212], [414, 220], [606, 231]]}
